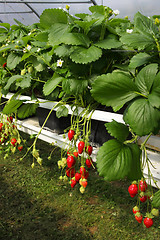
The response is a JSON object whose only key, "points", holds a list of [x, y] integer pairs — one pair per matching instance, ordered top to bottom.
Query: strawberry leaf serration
{"points": [[85, 55], [117, 130], [115, 161]]}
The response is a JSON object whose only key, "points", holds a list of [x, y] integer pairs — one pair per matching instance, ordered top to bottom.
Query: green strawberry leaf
{"points": [[100, 9], [51, 16], [85, 25], [145, 25], [56, 32], [76, 39], [137, 41], [110, 42], [62, 51], [85, 55], [13, 60], [139, 60], [145, 78], [11, 80], [25, 82], [51, 84], [74, 86], [114, 89], [154, 96], [12, 106], [27, 110], [62, 111], [142, 117], [117, 130], [114, 160], [135, 172], [156, 199]]}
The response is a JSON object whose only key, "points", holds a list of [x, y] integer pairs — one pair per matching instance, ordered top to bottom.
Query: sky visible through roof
{"points": [[24, 14]]}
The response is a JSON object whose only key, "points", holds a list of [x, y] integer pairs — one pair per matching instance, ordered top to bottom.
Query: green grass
{"points": [[35, 205]]}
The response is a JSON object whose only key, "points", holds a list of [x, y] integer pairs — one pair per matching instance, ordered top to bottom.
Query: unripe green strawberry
{"points": [[30, 69], [23, 71], [39, 160], [61, 178], [82, 189], [155, 212]]}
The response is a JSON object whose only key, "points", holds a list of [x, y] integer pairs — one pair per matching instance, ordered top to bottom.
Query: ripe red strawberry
{"points": [[4, 65], [10, 119], [1, 125], [71, 134], [13, 141], [81, 145], [20, 147], [89, 149], [75, 154], [70, 161], [89, 162], [82, 171], [70, 172], [77, 176], [73, 183], [84, 183], [142, 185], [133, 190], [143, 198], [135, 209], [138, 217], [148, 222]]}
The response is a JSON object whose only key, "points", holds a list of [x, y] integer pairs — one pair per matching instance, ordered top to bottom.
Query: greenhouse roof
{"points": [[29, 11]]}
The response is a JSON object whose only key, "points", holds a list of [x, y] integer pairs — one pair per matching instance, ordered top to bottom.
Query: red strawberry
{"points": [[4, 65], [10, 119], [1, 125], [71, 134], [13, 141], [81, 145], [20, 147], [89, 149], [75, 154], [70, 161], [89, 162], [82, 171], [70, 172], [86, 175], [77, 176], [73, 183], [84, 183], [142, 185], [133, 190], [143, 198], [135, 209], [138, 217], [148, 222]]}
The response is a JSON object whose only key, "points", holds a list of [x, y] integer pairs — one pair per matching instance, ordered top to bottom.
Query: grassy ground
{"points": [[35, 205]]}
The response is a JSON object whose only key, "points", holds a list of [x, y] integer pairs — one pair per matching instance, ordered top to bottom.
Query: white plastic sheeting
{"points": [[23, 13]]}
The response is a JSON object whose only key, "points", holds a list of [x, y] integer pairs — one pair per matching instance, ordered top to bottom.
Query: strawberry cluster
{"points": [[10, 139], [77, 162], [140, 189]]}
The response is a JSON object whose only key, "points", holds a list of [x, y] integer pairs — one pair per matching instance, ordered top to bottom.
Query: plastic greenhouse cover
{"points": [[21, 12]]}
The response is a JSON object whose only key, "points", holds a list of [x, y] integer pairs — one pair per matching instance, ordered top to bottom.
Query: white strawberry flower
{"points": [[116, 12], [129, 30], [28, 47], [38, 50], [59, 63]]}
